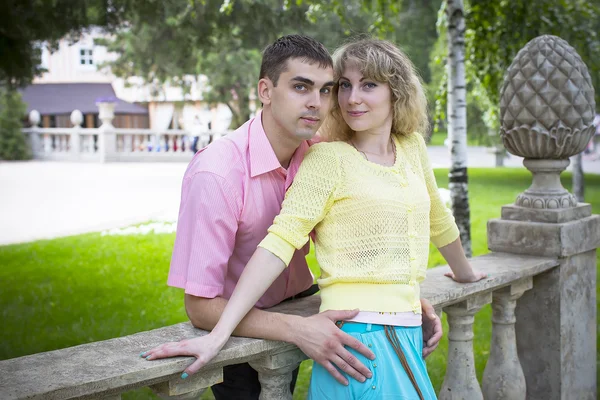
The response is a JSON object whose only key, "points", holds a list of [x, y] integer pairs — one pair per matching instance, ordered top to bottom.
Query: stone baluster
{"points": [[546, 113], [76, 120], [62, 140], [107, 141], [47, 143], [128, 143], [136, 143], [179, 143], [36, 146], [90, 146], [275, 374], [503, 378], [460, 381]]}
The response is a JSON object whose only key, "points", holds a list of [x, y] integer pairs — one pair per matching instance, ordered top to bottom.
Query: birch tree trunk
{"points": [[457, 121], [578, 183]]}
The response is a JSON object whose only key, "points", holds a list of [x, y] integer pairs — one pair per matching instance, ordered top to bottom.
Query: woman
{"points": [[370, 196]]}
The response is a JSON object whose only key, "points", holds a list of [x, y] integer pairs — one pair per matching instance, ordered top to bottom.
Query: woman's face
{"points": [[366, 105]]}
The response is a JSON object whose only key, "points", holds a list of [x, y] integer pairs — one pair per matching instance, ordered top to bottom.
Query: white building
{"points": [[74, 81]]}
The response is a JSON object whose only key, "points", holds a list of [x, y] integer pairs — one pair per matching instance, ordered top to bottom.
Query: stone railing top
{"points": [[62, 131], [114, 366]]}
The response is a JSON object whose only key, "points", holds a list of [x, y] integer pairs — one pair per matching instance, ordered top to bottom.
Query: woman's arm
{"points": [[444, 232], [457, 261], [260, 272]]}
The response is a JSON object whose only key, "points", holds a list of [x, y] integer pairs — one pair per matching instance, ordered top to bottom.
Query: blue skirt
{"points": [[390, 380]]}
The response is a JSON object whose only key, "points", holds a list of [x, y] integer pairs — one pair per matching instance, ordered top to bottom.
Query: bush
{"points": [[13, 143]]}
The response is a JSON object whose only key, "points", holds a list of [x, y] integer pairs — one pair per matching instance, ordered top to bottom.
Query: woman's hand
{"points": [[473, 276], [204, 348]]}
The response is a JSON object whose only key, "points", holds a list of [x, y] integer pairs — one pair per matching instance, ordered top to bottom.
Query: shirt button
{"points": [[370, 345], [374, 365], [373, 387]]}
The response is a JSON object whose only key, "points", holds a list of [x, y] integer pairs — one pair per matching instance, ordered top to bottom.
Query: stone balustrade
{"points": [[108, 143], [104, 370]]}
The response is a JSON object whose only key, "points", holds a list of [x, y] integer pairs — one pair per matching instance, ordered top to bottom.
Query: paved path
{"points": [[41, 200]]}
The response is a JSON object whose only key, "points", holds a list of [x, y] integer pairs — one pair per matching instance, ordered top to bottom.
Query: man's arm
{"points": [[205, 313]]}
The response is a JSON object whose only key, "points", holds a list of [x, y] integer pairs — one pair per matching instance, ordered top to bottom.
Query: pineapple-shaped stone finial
{"points": [[546, 111]]}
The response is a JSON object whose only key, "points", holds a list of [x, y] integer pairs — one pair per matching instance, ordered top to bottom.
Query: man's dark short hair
{"points": [[276, 55]]}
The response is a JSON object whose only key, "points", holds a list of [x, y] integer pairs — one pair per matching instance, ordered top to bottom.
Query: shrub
{"points": [[13, 143]]}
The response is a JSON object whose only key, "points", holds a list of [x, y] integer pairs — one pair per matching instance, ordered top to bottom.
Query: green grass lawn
{"points": [[437, 139], [64, 292]]}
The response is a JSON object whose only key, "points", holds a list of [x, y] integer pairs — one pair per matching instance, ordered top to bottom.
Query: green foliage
{"points": [[25, 24], [497, 30], [174, 40], [223, 40], [13, 143], [74, 290]]}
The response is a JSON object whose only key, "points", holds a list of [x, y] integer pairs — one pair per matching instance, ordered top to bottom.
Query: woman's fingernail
{"points": [[143, 353], [147, 358], [184, 375]]}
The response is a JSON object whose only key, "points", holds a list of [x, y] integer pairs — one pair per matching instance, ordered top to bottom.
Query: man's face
{"points": [[300, 102]]}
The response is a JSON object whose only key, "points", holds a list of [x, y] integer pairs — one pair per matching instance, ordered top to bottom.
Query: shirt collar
{"points": [[262, 156]]}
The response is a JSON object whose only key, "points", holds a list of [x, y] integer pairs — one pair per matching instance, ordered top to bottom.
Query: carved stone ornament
{"points": [[547, 101], [547, 110]]}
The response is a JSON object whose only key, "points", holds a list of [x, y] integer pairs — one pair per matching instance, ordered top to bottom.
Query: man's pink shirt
{"points": [[232, 190]]}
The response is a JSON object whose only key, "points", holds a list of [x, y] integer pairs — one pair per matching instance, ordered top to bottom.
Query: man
{"points": [[232, 190]]}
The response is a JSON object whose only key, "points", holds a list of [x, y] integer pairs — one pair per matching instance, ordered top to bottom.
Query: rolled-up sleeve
{"points": [[306, 202], [443, 229], [205, 239]]}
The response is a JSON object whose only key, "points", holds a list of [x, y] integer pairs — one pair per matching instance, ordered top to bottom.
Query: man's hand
{"points": [[432, 328], [321, 340]]}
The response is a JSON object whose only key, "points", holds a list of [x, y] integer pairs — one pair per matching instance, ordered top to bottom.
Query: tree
{"points": [[26, 24], [497, 31], [175, 40], [227, 49], [457, 121], [13, 144]]}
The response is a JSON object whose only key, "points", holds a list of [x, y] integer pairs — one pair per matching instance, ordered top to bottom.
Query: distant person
{"points": [[195, 132]]}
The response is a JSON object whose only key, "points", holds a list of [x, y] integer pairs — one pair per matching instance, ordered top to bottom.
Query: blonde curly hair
{"points": [[381, 61]]}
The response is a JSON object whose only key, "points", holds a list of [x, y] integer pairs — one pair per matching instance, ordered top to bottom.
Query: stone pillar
{"points": [[546, 111], [34, 137], [107, 138], [75, 141], [275, 374], [503, 377], [460, 381]]}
